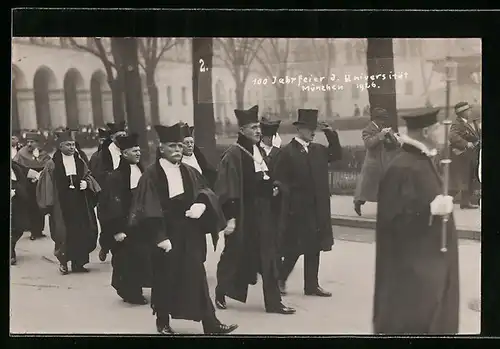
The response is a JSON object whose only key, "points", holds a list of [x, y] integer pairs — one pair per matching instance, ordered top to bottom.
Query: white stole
{"points": [[174, 177]]}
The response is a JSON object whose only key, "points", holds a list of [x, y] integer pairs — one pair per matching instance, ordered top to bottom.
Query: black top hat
{"points": [[460, 107], [379, 113], [246, 117], [307, 118], [421, 120], [116, 127], [268, 127], [187, 130], [103, 133], [170, 134], [65, 135], [127, 142]]}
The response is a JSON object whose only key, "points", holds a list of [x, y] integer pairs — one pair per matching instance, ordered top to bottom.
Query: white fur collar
{"points": [[417, 144]]}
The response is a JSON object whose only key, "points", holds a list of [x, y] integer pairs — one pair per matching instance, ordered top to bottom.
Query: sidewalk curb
{"points": [[367, 223]]}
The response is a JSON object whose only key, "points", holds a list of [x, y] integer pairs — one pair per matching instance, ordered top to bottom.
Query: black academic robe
{"points": [[272, 154], [26, 159], [101, 163], [209, 172], [19, 203], [305, 220], [73, 224], [253, 246], [131, 257], [179, 285], [416, 285]]}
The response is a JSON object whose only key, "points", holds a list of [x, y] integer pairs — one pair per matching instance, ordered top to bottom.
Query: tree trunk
{"points": [[380, 60], [116, 84], [240, 94], [280, 94], [134, 101], [154, 103], [203, 103], [328, 104]]}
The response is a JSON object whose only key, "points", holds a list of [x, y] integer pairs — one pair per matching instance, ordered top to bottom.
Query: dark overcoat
{"points": [[378, 155], [19, 203], [305, 219], [416, 285]]}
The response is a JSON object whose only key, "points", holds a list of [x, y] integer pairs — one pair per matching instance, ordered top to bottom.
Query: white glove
{"points": [[276, 141], [36, 153], [32, 174], [83, 185], [276, 191], [12, 193], [442, 205], [196, 210], [231, 225], [120, 237], [165, 245]]}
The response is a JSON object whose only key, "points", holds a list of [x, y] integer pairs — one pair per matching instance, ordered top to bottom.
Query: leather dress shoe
{"points": [[468, 206], [13, 261], [63, 269], [79, 269], [282, 286], [318, 291], [140, 300], [220, 302], [281, 309], [164, 329], [220, 329]]}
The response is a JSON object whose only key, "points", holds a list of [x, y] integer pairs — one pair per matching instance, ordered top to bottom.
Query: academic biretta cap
{"points": [[461, 107], [246, 117], [307, 118], [421, 120], [116, 127], [268, 127], [187, 130], [103, 133], [170, 134], [66, 135], [33, 136], [127, 142]]}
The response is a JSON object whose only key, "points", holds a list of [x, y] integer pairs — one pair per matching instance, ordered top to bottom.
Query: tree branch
{"points": [[171, 43], [98, 53]]}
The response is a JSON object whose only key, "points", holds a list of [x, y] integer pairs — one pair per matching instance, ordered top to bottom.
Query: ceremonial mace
{"points": [[446, 160]]}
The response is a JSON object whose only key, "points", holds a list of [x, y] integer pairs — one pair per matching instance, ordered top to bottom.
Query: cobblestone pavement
{"points": [[43, 301]]}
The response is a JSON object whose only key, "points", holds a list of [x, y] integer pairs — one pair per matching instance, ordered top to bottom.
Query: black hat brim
{"points": [[300, 123]]}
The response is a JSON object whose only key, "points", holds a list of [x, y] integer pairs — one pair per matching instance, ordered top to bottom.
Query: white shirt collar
{"points": [[302, 142], [419, 145], [266, 148], [13, 152], [115, 154], [192, 161], [259, 163], [69, 164], [167, 164], [13, 175], [135, 175], [174, 177]]}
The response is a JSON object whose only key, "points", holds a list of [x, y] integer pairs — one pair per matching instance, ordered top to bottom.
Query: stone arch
{"points": [[98, 86], [18, 88], [45, 91], [74, 99], [220, 101]]}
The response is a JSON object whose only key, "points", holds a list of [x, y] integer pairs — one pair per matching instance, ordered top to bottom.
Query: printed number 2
{"points": [[202, 66]]}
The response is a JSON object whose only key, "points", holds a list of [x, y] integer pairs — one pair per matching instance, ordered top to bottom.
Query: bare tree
{"points": [[151, 51], [238, 55], [110, 58], [274, 60], [426, 77]]}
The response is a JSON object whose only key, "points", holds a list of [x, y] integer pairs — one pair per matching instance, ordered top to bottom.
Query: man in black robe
{"points": [[269, 131], [193, 156], [34, 158], [101, 165], [301, 167], [67, 191], [246, 192], [19, 202], [174, 208], [131, 255], [416, 285]]}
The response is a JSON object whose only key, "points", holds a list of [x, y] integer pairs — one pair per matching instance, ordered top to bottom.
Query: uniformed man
{"points": [[267, 142], [464, 142], [193, 156], [34, 158], [301, 167], [246, 191], [175, 208], [131, 255], [416, 285]]}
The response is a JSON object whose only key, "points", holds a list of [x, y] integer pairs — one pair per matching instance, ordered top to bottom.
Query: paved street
{"points": [[43, 301]]}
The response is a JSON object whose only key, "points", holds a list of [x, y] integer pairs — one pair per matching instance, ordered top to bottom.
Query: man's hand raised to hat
{"points": [[324, 126]]}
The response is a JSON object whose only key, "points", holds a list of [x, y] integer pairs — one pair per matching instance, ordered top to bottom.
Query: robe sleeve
{"points": [[371, 138], [334, 149], [282, 176], [227, 185], [45, 189], [400, 198], [146, 210], [112, 215]]}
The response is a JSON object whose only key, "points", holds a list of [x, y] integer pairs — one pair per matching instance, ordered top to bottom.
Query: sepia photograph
{"points": [[245, 186]]}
